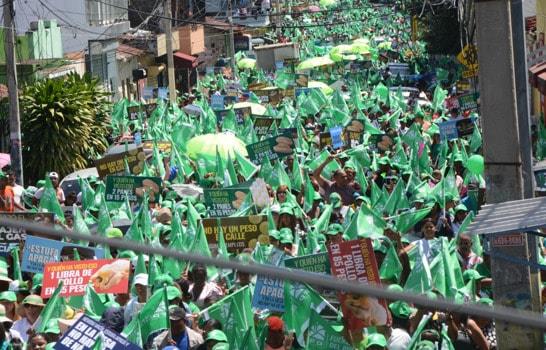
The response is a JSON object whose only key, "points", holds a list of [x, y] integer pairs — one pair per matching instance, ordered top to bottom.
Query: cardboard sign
{"points": [[302, 80], [256, 86], [269, 95], [217, 102], [468, 102], [144, 110], [263, 124], [455, 128], [354, 133], [336, 134], [325, 140], [162, 146], [275, 147], [114, 165], [132, 187], [223, 202], [239, 232], [11, 237], [40, 251], [355, 261], [318, 263], [107, 276], [268, 294], [84, 334]]}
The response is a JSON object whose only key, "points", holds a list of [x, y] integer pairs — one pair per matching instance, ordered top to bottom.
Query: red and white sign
{"points": [[513, 240], [355, 261], [106, 275]]}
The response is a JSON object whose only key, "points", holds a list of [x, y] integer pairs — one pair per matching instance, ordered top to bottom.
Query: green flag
{"points": [[475, 139], [246, 167], [230, 171], [296, 178], [88, 194], [309, 194], [49, 201], [104, 217], [405, 221], [80, 226], [200, 246], [222, 248], [140, 265], [391, 268], [17, 275], [420, 278], [92, 303], [53, 309], [235, 314], [153, 316], [133, 333], [417, 334], [322, 336]]}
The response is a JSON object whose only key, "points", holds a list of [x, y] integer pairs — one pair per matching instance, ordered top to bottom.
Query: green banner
{"points": [[274, 147], [132, 187], [223, 202], [239, 232], [319, 263]]}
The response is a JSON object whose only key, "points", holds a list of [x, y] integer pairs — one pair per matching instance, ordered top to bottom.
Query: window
{"points": [[106, 12]]}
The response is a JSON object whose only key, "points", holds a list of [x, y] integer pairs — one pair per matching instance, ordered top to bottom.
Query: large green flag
{"points": [[438, 99], [475, 139], [246, 167], [329, 168], [230, 174], [296, 178], [88, 194], [309, 194], [397, 200], [49, 201], [104, 217], [405, 221], [364, 224], [80, 226], [177, 241], [200, 246], [391, 268], [17, 275], [420, 278], [299, 301], [92, 303], [54, 309], [235, 314], [154, 315], [133, 333], [417, 334], [322, 336], [249, 341]]}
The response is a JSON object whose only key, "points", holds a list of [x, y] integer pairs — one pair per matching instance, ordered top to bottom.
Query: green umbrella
{"points": [[315, 62], [246, 63], [322, 86], [257, 109], [204, 147]]}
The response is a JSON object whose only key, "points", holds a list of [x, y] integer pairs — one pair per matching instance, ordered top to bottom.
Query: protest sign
{"points": [[302, 80], [256, 86], [269, 95], [217, 102], [468, 102], [145, 110], [263, 124], [455, 128], [354, 133], [336, 135], [325, 139], [380, 142], [163, 146], [274, 147], [114, 164], [132, 187], [222, 202], [239, 232], [11, 236], [40, 251], [355, 261], [318, 263], [107, 276], [268, 294], [83, 335]]}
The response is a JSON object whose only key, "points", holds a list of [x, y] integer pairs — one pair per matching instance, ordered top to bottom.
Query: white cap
{"points": [[53, 175], [134, 260], [141, 278]]}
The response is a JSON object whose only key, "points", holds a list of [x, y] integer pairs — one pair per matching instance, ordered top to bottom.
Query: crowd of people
{"points": [[400, 183]]}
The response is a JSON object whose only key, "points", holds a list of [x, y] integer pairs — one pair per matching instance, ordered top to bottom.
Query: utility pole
{"points": [[167, 22], [231, 52], [11, 75], [503, 147]]}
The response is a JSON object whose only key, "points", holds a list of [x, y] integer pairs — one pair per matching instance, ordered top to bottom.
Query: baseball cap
{"points": [[53, 175], [461, 207], [286, 209], [334, 229], [114, 232], [275, 234], [286, 235], [472, 274], [141, 278], [37, 280], [395, 288], [173, 293], [8, 296], [33, 299], [401, 309], [176, 313], [52, 326], [217, 335], [376, 339]]}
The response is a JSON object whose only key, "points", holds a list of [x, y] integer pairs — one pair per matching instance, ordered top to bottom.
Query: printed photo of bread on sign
{"points": [[355, 126], [284, 145], [150, 187], [239, 199], [110, 275], [365, 309]]}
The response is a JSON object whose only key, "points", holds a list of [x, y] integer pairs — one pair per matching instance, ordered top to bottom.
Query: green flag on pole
{"points": [[49, 201]]}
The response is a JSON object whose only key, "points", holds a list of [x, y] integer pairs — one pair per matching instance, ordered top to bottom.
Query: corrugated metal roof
{"points": [[514, 216]]}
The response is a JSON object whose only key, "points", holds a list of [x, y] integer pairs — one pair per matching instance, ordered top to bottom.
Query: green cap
{"points": [[40, 183], [335, 200], [461, 207], [201, 209], [286, 209], [334, 229], [114, 232], [275, 234], [286, 236], [126, 254], [472, 274], [37, 280], [395, 288], [173, 293], [8, 296], [33, 299], [486, 301], [401, 309], [52, 326], [217, 335], [377, 339], [425, 345], [221, 346]]}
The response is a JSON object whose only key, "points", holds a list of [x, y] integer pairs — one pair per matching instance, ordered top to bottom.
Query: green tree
{"points": [[64, 124]]}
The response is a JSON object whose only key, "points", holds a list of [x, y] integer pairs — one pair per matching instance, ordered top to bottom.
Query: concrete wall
{"points": [[45, 41]]}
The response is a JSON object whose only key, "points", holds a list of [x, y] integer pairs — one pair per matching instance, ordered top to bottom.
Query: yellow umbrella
{"points": [[315, 62], [322, 86]]}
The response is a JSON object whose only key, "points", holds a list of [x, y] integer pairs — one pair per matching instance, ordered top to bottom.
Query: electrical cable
{"points": [[497, 312]]}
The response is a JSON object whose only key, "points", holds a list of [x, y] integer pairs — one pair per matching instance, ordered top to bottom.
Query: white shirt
{"points": [[59, 191], [17, 193], [210, 289], [133, 307], [22, 326], [399, 339]]}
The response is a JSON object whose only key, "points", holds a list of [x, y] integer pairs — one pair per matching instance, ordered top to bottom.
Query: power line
{"points": [[498, 313]]}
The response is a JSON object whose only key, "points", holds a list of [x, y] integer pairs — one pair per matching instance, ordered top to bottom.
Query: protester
{"points": [[7, 199], [33, 305], [179, 335]]}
